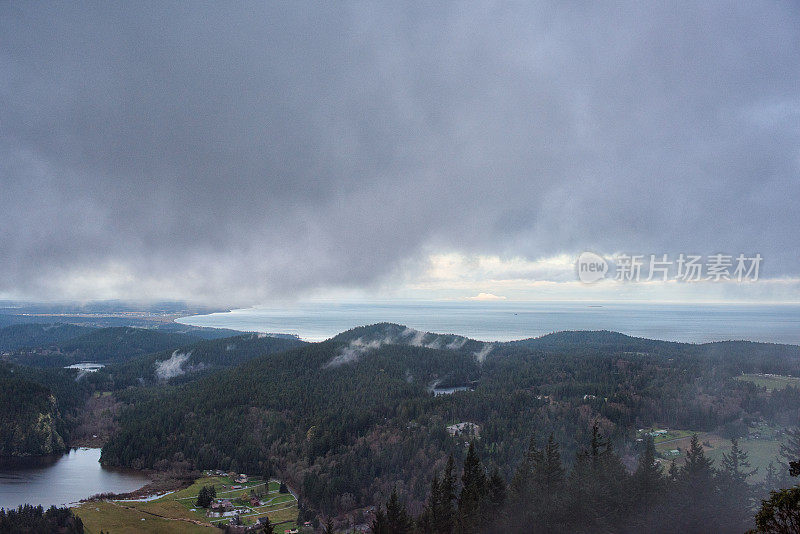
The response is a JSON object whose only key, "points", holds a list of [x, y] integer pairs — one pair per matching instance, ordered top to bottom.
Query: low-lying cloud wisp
{"points": [[409, 336], [353, 351], [484, 352], [172, 367]]}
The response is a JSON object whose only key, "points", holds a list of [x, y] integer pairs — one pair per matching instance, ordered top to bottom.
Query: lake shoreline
{"points": [[59, 480], [161, 483]]}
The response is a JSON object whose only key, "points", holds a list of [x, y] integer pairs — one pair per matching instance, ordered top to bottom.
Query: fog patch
{"points": [[409, 336], [418, 339], [457, 343], [435, 344], [355, 349], [484, 352], [172, 367], [81, 374], [434, 384]]}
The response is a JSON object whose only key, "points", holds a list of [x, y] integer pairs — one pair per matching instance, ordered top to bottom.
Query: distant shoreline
{"points": [[512, 321]]}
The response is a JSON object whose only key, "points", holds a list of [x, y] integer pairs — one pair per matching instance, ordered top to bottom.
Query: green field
{"points": [[771, 382], [670, 435], [673, 435], [671, 441], [761, 451], [278, 507], [177, 512], [111, 517]]}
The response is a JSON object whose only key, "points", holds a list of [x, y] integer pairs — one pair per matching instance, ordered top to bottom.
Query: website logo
{"points": [[591, 267]]}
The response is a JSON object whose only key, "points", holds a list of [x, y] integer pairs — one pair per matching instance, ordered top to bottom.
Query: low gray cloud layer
{"points": [[232, 153]]}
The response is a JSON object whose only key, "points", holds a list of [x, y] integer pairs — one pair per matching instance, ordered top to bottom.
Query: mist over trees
{"points": [[596, 495]]}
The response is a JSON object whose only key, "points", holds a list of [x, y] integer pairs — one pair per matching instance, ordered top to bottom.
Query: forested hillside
{"points": [[38, 335], [598, 340], [116, 344], [102, 345], [192, 361], [292, 405], [40, 408], [348, 419], [29, 421], [33, 426]]}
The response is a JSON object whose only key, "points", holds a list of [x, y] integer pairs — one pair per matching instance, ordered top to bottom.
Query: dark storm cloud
{"points": [[233, 152]]}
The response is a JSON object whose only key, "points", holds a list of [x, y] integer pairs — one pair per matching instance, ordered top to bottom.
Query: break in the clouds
{"points": [[233, 153]]}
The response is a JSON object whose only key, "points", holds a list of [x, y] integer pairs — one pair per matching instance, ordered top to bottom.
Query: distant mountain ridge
{"points": [[38, 335], [361, 340], [118, 343], [101, 345]]}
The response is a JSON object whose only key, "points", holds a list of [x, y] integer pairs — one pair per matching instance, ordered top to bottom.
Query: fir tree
{"points": [[788, 457], [735, 466], [698, 469], [267, 470], [551, 472], [673, 472], [733, 474], [523, 477], [648, 478], [771, 479], [598, 483], [496, 490], [473, 492], [206, 496], [547, 502], [697, 503], [445, 513], [397, 518], [425, 522], [380, 525]]}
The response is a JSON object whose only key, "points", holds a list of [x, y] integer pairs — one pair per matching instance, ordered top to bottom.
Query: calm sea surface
{"points": [[505, 321], [58, 481]]}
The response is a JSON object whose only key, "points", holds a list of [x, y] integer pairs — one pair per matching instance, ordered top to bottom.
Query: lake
{"points": [[506, 321], [89, 367], [449, 391], [65, 479]]}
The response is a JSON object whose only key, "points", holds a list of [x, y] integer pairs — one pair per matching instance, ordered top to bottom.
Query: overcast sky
{"points": [[236, 153]]}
